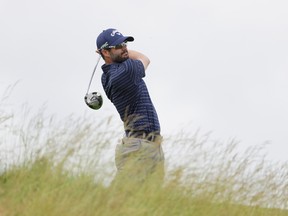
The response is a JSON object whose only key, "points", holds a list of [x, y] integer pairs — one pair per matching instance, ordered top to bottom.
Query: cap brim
{"points": [[129, 38], [121, 40]]}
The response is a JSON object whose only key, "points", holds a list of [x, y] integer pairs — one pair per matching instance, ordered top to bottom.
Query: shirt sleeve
{"points": [[135, 68], [129, 73]]}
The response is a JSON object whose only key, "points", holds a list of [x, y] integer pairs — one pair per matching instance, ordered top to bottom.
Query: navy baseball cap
{"points": [[111, 37]]}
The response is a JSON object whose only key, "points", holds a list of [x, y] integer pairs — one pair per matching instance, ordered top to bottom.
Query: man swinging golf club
{"points": [[139, 155]]}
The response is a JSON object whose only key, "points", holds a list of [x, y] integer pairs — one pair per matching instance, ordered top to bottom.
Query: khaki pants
{"points": [[138, 159]]}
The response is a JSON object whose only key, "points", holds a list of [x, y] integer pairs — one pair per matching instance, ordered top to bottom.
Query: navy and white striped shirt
{"points": [[124, 86]]}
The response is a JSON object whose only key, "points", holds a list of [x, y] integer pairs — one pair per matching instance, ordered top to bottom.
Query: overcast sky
{"points": [[220, 66]]}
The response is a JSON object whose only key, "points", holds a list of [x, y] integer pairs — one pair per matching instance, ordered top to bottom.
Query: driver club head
{"points": [[94, 100]]}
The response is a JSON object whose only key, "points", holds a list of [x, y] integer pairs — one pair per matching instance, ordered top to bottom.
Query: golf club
{"points": [[93, 100]]}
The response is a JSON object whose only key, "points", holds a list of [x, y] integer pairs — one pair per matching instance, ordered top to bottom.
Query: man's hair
{"points": [[100, 51]]}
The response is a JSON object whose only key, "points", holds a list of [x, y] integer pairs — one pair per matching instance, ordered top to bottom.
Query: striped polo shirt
{"points": [[124, 86]]}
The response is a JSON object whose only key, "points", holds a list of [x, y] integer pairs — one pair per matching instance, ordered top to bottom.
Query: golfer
{"points": [[139, 155]]}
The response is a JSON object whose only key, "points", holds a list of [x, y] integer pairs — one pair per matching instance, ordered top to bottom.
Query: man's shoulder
{"points": [[131, 63]]}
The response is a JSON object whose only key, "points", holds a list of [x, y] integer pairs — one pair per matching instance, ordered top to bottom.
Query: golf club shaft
{"points": [[93, 74]]}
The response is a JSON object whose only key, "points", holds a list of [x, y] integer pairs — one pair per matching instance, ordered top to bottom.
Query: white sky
{"points": [[221, 66]]}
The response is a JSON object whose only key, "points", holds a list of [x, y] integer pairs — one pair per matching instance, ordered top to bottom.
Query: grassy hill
{"points": [[64, 167], [44, 189]]}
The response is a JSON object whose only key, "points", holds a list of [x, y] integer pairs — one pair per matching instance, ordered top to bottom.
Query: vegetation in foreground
{"points": [[51, 167], [43, 189]]}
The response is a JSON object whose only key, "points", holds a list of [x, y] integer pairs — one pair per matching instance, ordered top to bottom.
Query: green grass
{"points": [[51, 167], [43, 189]]}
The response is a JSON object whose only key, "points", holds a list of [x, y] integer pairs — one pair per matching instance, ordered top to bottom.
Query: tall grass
{"points": [[65, 167]]}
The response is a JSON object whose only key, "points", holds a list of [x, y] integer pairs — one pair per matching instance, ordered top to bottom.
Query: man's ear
{"points": [[105, 53]]}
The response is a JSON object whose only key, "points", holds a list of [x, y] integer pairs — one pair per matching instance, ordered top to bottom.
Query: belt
{"points": [[147, 136]]}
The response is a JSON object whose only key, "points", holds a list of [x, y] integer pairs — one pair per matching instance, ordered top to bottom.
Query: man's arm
{"points": [[139, 56]]}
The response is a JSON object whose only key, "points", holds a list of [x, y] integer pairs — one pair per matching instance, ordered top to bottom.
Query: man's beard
{"points": [[119, 58]]}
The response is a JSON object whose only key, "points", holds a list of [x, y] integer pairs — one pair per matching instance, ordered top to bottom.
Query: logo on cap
{"points": [[115, 32], [104, 45]]}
